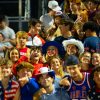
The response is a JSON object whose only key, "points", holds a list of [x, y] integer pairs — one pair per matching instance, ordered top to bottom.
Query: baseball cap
{"points": [[54, 5], [71, 60]]}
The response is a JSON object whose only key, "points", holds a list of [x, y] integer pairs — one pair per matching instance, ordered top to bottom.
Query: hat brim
{"points": [[56, 8], [74, 42], [60, 48], [51, 73]]}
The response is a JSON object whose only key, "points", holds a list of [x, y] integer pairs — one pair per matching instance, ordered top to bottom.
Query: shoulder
{"points": [[10, 29]]}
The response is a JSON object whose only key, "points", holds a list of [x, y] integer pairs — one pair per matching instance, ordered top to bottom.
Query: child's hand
{"points": [[23, 80], [65, 82], [42, 91]]}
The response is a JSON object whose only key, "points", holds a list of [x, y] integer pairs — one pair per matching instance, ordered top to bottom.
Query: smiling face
{"points": [[71, 49], [52, 51], [35, 54], [14, 55], [86, 58], [96, 59], [55, 64], [45, 80]]}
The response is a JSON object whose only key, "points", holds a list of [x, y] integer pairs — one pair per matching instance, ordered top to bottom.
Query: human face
{"points": [[91, 6], [73, 7], [57, 20], [2, 25], [37, 27], [64, 28], [88, 32], [1, 37], [22, 41], [71, 49], [52, 51], [35, 54], [14, 55], [86, 58], [96, 59], [55, 64], [6, 71], [74, 71], [25, 72], [96, 78], [45, 80]]}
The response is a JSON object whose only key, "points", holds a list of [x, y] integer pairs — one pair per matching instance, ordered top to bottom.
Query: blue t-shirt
{"points": [[28, 90], [57, 94]]}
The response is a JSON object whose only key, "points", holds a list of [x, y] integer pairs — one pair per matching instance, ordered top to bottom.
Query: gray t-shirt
{"points": [[8, 33]]}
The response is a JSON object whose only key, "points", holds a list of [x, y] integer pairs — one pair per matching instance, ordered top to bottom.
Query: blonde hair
{"points": [[22, 34], [61, 72]]}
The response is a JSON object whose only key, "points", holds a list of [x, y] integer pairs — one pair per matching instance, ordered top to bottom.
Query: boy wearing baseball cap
{"points": [[47, 19], [79, 84], [47, 91]]}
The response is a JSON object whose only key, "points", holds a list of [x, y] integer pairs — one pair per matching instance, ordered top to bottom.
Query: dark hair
{"points": [[95, 1], [3, 18], [33, 22], [67, 22], [91, 26], [96, 69]]}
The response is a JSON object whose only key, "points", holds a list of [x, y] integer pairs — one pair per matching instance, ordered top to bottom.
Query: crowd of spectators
{"points": [[57, 59]]}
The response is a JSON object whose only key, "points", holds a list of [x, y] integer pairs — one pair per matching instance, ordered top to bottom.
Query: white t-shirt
{"points": [[8, 33]]}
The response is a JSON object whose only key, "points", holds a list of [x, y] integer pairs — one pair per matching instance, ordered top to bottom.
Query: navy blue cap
{"points": [[71, 60]]}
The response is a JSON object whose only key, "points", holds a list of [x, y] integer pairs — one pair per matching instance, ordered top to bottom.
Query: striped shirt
{"points": [[10, 91]]}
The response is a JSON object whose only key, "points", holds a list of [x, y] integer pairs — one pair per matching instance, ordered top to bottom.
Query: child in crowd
{"points": [[66, 27], [35, 30], [22, 38], [92, 41], [73, 47], [52, 49], [14, 56], [36, 59], [96, 59], [85, 61], [57, 65], [79, 83], [28, 86], [8, 87], [47, 91], [94, 92]]}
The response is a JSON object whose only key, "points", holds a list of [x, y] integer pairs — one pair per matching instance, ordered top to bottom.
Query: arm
{"points": [[64, 82], [38, 94], [17, 95]]}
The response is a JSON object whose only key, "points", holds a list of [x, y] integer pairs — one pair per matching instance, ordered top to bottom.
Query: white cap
{"points": [[54, 5]]}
